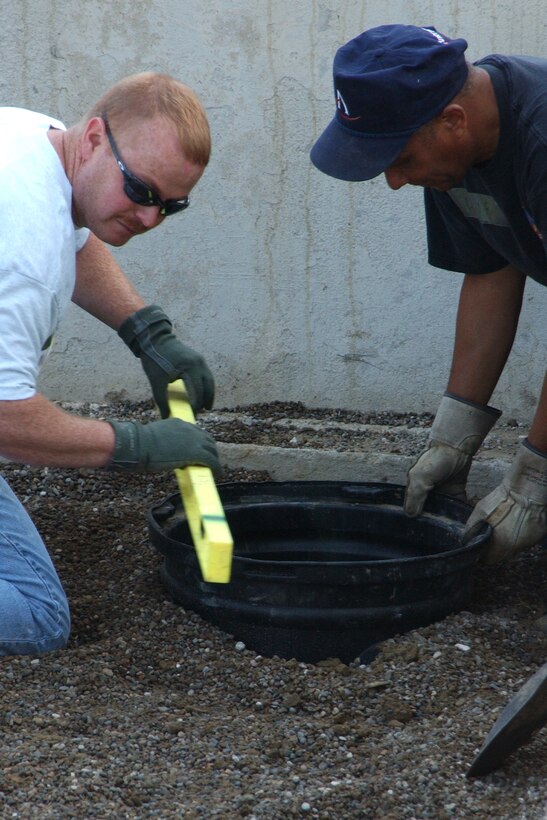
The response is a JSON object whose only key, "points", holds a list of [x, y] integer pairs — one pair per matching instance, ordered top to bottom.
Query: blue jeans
{"points": [[34, 613]]}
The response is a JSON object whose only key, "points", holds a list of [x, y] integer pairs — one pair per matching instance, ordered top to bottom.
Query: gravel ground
{"points": [[151, 712]]}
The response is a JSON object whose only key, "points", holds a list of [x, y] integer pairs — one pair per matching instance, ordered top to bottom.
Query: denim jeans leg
{"points": [[34, 612]]}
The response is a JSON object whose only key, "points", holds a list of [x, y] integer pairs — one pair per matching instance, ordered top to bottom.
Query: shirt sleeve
{"points": [[81, 236], [452, 240]]}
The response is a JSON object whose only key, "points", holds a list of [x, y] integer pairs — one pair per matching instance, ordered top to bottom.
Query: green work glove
{"points": [[149, 335], [457, 432], [161, 445], [517, 509]]}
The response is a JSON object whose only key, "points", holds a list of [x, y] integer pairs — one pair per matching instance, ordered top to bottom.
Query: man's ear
{"points": [[453, 117], [93, 136]]}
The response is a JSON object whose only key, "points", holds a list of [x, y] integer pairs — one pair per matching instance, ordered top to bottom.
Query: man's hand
{"points": [[149, 335], [457, 432], [161, 445], [517, 509]]}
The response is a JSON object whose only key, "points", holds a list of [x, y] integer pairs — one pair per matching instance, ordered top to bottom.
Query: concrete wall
{"points": [[294, 285]]}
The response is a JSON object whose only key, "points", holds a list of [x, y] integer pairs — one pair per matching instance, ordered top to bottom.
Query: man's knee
{"points": [[54, 629], [47, 630]]}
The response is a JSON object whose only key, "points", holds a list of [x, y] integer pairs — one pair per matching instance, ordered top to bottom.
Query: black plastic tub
{"points": [[322, 569]]}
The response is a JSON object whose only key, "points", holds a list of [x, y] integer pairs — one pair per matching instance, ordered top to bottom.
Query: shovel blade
{"points": [[525, 713]]}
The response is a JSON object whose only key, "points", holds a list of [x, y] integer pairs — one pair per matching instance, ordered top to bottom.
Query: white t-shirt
{"points": [[38, 246]]}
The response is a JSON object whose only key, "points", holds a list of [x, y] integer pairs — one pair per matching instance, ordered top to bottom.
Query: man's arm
{"points": [[102, 289], [486, 324], [538, 431], [36, 432], [517, 509]]}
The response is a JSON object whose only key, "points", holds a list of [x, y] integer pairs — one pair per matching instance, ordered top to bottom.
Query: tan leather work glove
{"points": [[457, 432], [517, 509]]}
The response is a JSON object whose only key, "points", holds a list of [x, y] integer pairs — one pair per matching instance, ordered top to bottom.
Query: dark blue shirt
{"points": [[498, 214]]}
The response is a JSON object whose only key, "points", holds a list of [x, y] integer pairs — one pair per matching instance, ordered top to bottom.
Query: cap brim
{"points": [[352, 156]]}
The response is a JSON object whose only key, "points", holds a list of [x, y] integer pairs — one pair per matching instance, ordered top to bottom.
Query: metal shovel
{"points": [[523, 715]]}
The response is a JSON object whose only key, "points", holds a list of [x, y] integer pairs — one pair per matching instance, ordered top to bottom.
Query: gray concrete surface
{"points": [[295, 286], [328, 465]]}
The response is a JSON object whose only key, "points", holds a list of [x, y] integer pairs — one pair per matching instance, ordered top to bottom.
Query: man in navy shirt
{"points": [[474, 136]]}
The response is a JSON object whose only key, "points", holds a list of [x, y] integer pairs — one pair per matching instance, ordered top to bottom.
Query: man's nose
{"points": [[395, 178], [150, 216]]}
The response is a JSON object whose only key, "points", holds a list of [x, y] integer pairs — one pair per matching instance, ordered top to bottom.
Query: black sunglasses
{"points": [[137, 190]]}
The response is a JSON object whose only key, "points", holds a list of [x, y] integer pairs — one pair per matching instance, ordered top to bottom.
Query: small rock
{"points": [[541, 623]]}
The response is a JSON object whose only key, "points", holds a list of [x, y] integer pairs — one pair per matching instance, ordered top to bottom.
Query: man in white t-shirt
{"points": [[128, 164]]}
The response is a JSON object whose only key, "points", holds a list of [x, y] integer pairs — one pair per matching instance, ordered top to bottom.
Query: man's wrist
{"points": [[138, 323], [477, 405], [537, 450]]}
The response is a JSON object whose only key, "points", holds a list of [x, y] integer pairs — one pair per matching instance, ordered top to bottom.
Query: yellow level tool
{"points": [[204, 512]]}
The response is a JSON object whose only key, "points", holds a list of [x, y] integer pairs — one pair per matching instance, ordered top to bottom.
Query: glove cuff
{"points": [[131, 330], [485, 408], [463, 424], [126, 446], [528, 474]]}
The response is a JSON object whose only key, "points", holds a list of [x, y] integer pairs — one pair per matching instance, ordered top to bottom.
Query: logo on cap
{"points": [[439, 37], [343, 110]]}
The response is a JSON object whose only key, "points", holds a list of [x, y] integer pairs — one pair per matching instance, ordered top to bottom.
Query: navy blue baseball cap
{"points": [[388, 82]]}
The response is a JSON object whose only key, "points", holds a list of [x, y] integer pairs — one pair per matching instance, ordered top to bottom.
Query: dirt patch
{"points": [[294, 426], [151, 712]]}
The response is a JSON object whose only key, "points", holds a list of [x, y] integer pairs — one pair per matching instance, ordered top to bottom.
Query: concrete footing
{"points": [[306, 464]]}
